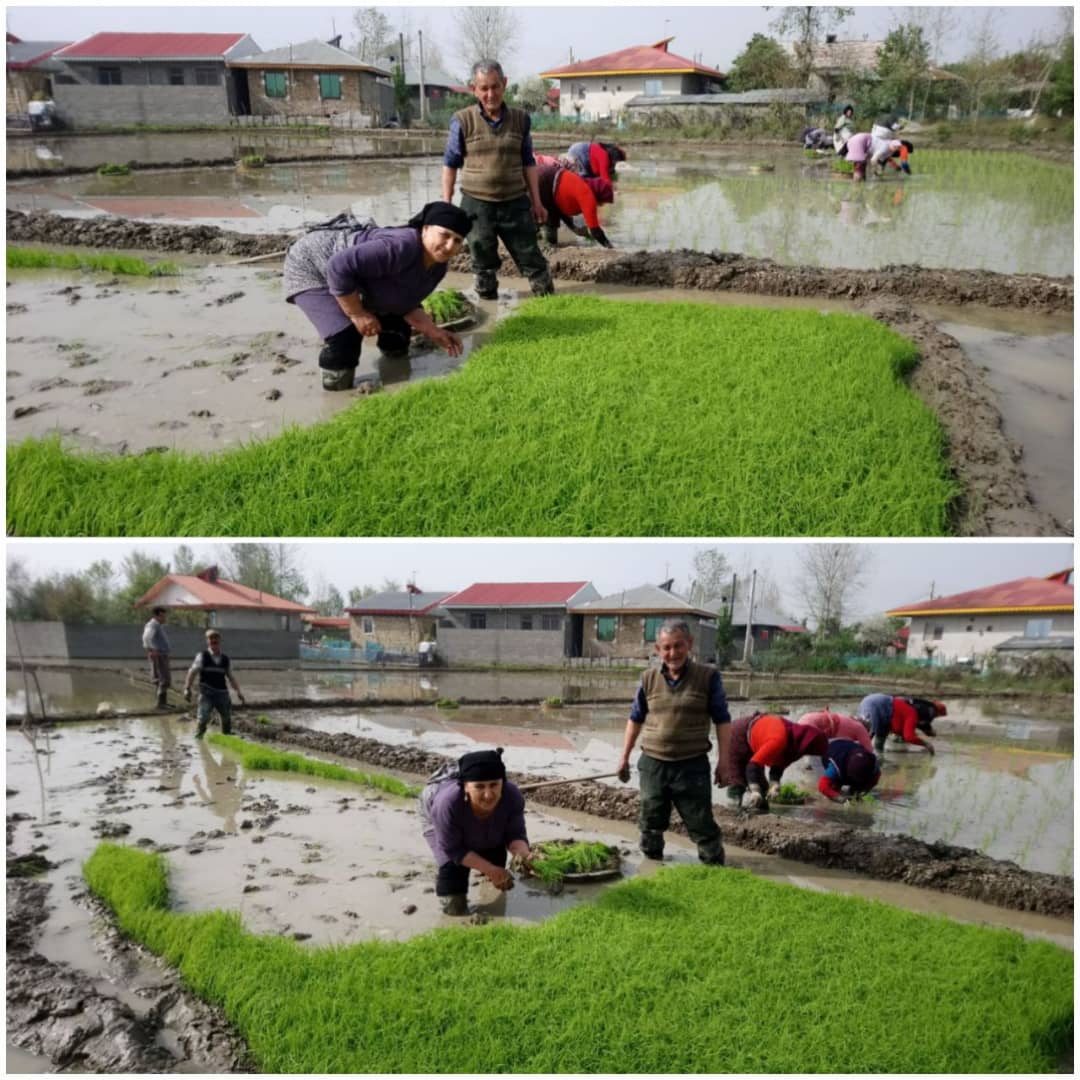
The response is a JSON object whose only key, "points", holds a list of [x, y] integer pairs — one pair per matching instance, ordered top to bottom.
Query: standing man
{"points": [[491, 144], [156, 643], [214, 669], [672, 710]]}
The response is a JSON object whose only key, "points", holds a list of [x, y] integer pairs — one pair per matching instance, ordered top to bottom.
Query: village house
{"points": [[30, 70], [117, 79], [316, 79], [438, 89], [599, 89], [1027, 615], [397, 621], [522, 622], [623, 625], [766, 628]]}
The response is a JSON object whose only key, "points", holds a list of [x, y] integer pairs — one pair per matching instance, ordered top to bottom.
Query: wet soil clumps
{"points": [[956, 870]]}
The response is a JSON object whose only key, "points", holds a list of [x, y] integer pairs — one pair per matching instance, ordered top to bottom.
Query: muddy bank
{"points": [[955, 870], [64, 1015]]}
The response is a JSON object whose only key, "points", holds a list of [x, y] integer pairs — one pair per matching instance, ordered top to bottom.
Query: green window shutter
{"points": [[276, 84], [329, 86], [652, 625], [605, 627]]}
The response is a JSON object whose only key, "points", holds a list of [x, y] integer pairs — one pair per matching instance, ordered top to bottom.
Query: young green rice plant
{"points": [[252, 161], [113, 169], [35, 259], [445, 305], [564, 415], [554, 702], [447, 703], [262, 758], [791, 793], [558, 859], [982, 1000]]}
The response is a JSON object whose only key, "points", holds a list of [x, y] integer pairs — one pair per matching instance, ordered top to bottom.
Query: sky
{"points": [[713, 33], [900, 572]]}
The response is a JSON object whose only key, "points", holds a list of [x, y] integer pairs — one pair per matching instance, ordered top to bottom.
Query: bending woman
{"points": [[356, 280], [764, 741]]}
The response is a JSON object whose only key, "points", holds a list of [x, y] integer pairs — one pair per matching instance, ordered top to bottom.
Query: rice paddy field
{"points": [[581, 417], [891, 992]]}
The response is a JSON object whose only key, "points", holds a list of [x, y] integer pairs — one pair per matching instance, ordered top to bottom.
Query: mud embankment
{"points": [[956, 870]]}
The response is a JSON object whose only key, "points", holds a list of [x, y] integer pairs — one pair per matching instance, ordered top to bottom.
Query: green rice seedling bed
{"points": [[36, 259], [581, 417], [259, 758], [561, 859], [675, 973]]}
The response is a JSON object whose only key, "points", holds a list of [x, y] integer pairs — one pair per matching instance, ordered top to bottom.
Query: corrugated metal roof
{"points": [[114, 46], [312, 53], [24, 54], [635, 60], [747, 97], [223, 594], [516, 594], [1023, 594], [643, 598], [398, 603], [764, 616], [1026, 644]]}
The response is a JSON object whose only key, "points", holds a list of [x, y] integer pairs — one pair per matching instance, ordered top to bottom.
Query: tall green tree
{"points": [[806, 27], [486, 33], [374, 34], [902, 63], [762, 65], [1059, 90], [184, 561], [271, 568], [711, 580], [357, 594], [329, 602]]}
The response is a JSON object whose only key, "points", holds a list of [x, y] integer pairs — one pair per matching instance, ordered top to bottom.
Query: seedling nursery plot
{"points": [[572, 421], [592, 989]]}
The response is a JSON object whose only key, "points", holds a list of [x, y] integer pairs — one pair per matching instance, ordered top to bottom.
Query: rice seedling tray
{"points": [[611, 867]]}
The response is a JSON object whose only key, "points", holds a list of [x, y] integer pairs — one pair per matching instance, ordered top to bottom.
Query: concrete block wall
{"points": [[86, 105], [37, 640], [501, 646]]}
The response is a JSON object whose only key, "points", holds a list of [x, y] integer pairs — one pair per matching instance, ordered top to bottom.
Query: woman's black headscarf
{"points": [[445, 214], [482, 765]]}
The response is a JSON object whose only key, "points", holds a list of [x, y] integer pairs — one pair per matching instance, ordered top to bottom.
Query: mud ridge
{"points": [[956, 870], [59, 1013]]}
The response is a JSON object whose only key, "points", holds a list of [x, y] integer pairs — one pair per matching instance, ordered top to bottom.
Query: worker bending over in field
{"points": [[491, 144], [891, 152], [594, 159], [565, 195], [355, 280], [671, 713], [900, 716], [838, 726], [765, 741], [849, 770], [472, 818]]}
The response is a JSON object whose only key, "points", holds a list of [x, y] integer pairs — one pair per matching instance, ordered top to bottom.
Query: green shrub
{"points": [[113, 169]]}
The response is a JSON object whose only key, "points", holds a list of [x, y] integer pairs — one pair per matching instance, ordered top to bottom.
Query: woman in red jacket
{"points": [[564, 195], [765, 741]]}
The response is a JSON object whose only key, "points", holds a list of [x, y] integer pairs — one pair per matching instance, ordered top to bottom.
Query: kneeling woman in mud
{"points": [[355, 280], [764, 741], [472, 821]]}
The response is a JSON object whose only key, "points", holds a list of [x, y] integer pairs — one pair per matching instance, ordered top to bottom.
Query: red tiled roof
{"points": [[150, 46], [636, 60], [515, 593], [223, 594], [1024, 594], [323, 622], [795, 628]]}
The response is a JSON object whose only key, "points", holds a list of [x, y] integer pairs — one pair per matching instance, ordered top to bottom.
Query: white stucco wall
{"points": [[606, 95], [974, 636]]}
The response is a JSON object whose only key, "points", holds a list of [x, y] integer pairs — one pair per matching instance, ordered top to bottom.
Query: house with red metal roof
{"points": [[30, 70], [115, 79], [598, 89], [227, 604], [1029, 614], [519, 622]]}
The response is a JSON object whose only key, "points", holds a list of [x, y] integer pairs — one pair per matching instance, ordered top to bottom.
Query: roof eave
{"points": [[1001, 609]]}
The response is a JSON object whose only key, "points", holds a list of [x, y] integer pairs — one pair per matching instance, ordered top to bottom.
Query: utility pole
{"points": [[423, 99], [748, 640]]}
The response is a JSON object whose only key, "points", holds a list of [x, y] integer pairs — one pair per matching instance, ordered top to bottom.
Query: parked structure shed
{"points": [[31, 69]]}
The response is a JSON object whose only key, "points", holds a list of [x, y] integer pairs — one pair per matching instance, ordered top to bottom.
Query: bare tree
{"points": [[807, 27], [486, 33], [374, 34], [982, 71], [271, 568], [832, 575], [711, 581]]}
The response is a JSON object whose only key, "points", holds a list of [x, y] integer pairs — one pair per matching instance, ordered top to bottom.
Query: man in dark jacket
{"points": [[215, 671]]}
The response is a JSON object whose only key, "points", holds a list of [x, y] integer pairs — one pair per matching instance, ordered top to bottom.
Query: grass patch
{"points": [[252, 161], [113, 169], [36, 259], [446, 305], [779, 423], [447, 703], [260, 758], [592, 990]]}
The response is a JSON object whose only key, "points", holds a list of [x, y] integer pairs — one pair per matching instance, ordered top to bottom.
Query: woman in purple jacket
{"points": [[355, 280], [471, 822]]}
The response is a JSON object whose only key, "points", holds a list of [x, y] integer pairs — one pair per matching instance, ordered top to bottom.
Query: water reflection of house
{"points": [[30, 70], [114, 79], [316, 79], [599, 89], [1025, 617], [396, 622], [521, 622], [623, 625]]}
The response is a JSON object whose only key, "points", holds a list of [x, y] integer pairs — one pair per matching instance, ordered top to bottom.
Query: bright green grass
{"points": [[34, 259], [582, 417], [259, 758], [676, 973]]}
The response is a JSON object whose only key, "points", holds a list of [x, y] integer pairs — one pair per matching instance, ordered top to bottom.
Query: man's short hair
{"points": [[484, 66], [160, 611], [674, 626], [213, 633]]}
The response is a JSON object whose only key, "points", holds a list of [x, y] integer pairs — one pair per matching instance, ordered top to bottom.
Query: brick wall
{"points": [[360, 95], [395, 633], [630, 644]]}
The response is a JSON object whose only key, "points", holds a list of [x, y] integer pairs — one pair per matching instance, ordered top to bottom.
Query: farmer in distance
{"points": [[491, 145], [565, 195], [354, 280], [671, 713], [889, 715], [763, 741], [472, 820]]}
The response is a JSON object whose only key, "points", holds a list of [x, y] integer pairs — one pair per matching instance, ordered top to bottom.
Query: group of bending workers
{"points": [[878, 147], [354, 279], [473, 816]]}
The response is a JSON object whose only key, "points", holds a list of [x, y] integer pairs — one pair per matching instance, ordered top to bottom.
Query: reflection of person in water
{"points": [[222, 790]]}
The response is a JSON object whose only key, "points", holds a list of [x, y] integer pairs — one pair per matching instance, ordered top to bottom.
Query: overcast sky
{"points": [[716, 33], [901, 572]]}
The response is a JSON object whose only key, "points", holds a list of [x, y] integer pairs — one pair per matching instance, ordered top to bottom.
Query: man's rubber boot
{"points": [[541, 284], [487, 286], [338, 379], [652, 845], [711, 854], [455, 905]]}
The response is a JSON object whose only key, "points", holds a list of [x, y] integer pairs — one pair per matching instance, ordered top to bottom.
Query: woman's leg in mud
{"points": [[340, 353]]}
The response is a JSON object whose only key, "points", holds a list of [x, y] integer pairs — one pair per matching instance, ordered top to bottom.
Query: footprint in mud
{"points": [[227, 299], [17, 309], [83, 359], [12, 373], [235, 373], [57, 382], [102, 386], [272, 395], [27, 410], [201, 414], [172, 425]]}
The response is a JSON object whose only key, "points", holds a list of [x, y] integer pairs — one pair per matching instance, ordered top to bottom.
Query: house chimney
{"points": [[830, 39], [335, 41], [210, 574], [668, 585]]}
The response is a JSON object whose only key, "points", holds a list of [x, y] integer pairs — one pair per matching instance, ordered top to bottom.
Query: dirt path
{"points": [[955, 870]]}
